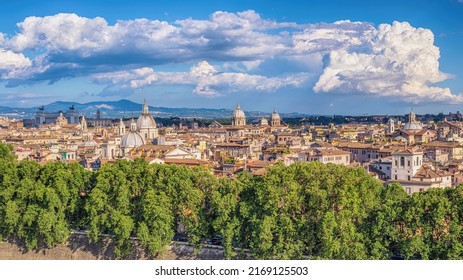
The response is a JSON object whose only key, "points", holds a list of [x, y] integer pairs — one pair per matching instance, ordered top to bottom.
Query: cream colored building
{"points": [[238, 118], [146, 125], [408, 170]]}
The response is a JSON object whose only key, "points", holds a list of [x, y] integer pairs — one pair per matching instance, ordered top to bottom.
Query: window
{"points": [[402, 161], [408, 163], [388, 168], [395, 177], [408, 177], [409, 190], [421, 190]]}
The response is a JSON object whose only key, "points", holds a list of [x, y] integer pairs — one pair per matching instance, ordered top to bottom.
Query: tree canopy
{"points": [[305, 210]]}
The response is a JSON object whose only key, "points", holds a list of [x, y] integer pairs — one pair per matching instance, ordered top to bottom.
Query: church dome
{"points": [[238, 113], [275, 115], [61, 120], [146, 121], [263, 121], [412, 123], [413, 126], [131, 140], [89, 143]]}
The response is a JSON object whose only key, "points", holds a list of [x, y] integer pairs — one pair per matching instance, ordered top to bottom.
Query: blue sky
{"points": [[320, 57]]}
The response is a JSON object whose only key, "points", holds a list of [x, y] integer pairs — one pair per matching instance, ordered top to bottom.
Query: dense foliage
{"points": [[306, 210]]}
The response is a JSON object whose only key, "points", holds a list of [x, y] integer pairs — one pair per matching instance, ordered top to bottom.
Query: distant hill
{"points": [[127, 108]]}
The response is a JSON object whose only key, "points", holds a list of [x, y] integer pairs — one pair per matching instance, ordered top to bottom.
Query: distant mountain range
{"points": [[127, 108]]}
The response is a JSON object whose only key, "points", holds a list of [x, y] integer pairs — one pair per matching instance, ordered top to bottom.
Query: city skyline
{"points": [[314, 57]]}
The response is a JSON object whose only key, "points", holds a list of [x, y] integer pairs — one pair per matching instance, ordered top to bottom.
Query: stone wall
{"points": [[78, 248]]}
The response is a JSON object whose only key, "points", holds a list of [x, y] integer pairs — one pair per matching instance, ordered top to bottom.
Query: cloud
{"points": [[230, 52], [396, 60], [10, 61], [136, 78], [205, 78], [25, 98], [105, 106]]}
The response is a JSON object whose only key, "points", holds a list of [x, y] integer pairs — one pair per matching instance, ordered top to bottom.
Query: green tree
{"points": [[6, 152], [37, 203], [109, 208], [226, 221], [385, 226]]}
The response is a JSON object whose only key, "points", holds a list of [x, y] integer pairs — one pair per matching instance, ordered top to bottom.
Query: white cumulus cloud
{"points": [[239, 51], [395, 60], [11, 61], [204, 77], [135, 78]]}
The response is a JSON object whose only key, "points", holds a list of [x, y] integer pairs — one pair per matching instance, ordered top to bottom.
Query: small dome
{"points": [[238, 113], [275, 115], [60, 120], [146, 121], [263, 121], [412, 123], [413, 126], [131, 140], [89, 143]]}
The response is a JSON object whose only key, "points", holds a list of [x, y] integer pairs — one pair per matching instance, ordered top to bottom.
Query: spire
{"points": [[145, 110], [412, 116], [83, 123]]}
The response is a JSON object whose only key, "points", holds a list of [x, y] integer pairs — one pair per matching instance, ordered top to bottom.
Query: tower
{"points": [[390, 126], [121, 128]]}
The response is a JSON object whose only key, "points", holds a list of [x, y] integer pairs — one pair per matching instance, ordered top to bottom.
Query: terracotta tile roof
{"points": [[442, 144], [354, 145], [409, 151], [331, 152], [180, 161], [259, 163], [426, 172]]}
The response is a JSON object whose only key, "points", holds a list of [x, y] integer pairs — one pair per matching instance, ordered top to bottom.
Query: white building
{"points": [[405, 164], [408, 170]]}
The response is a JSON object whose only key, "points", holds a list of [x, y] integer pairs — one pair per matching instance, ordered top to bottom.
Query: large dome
{"points": [[238, 113], [145, 121], [131, 140]]}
